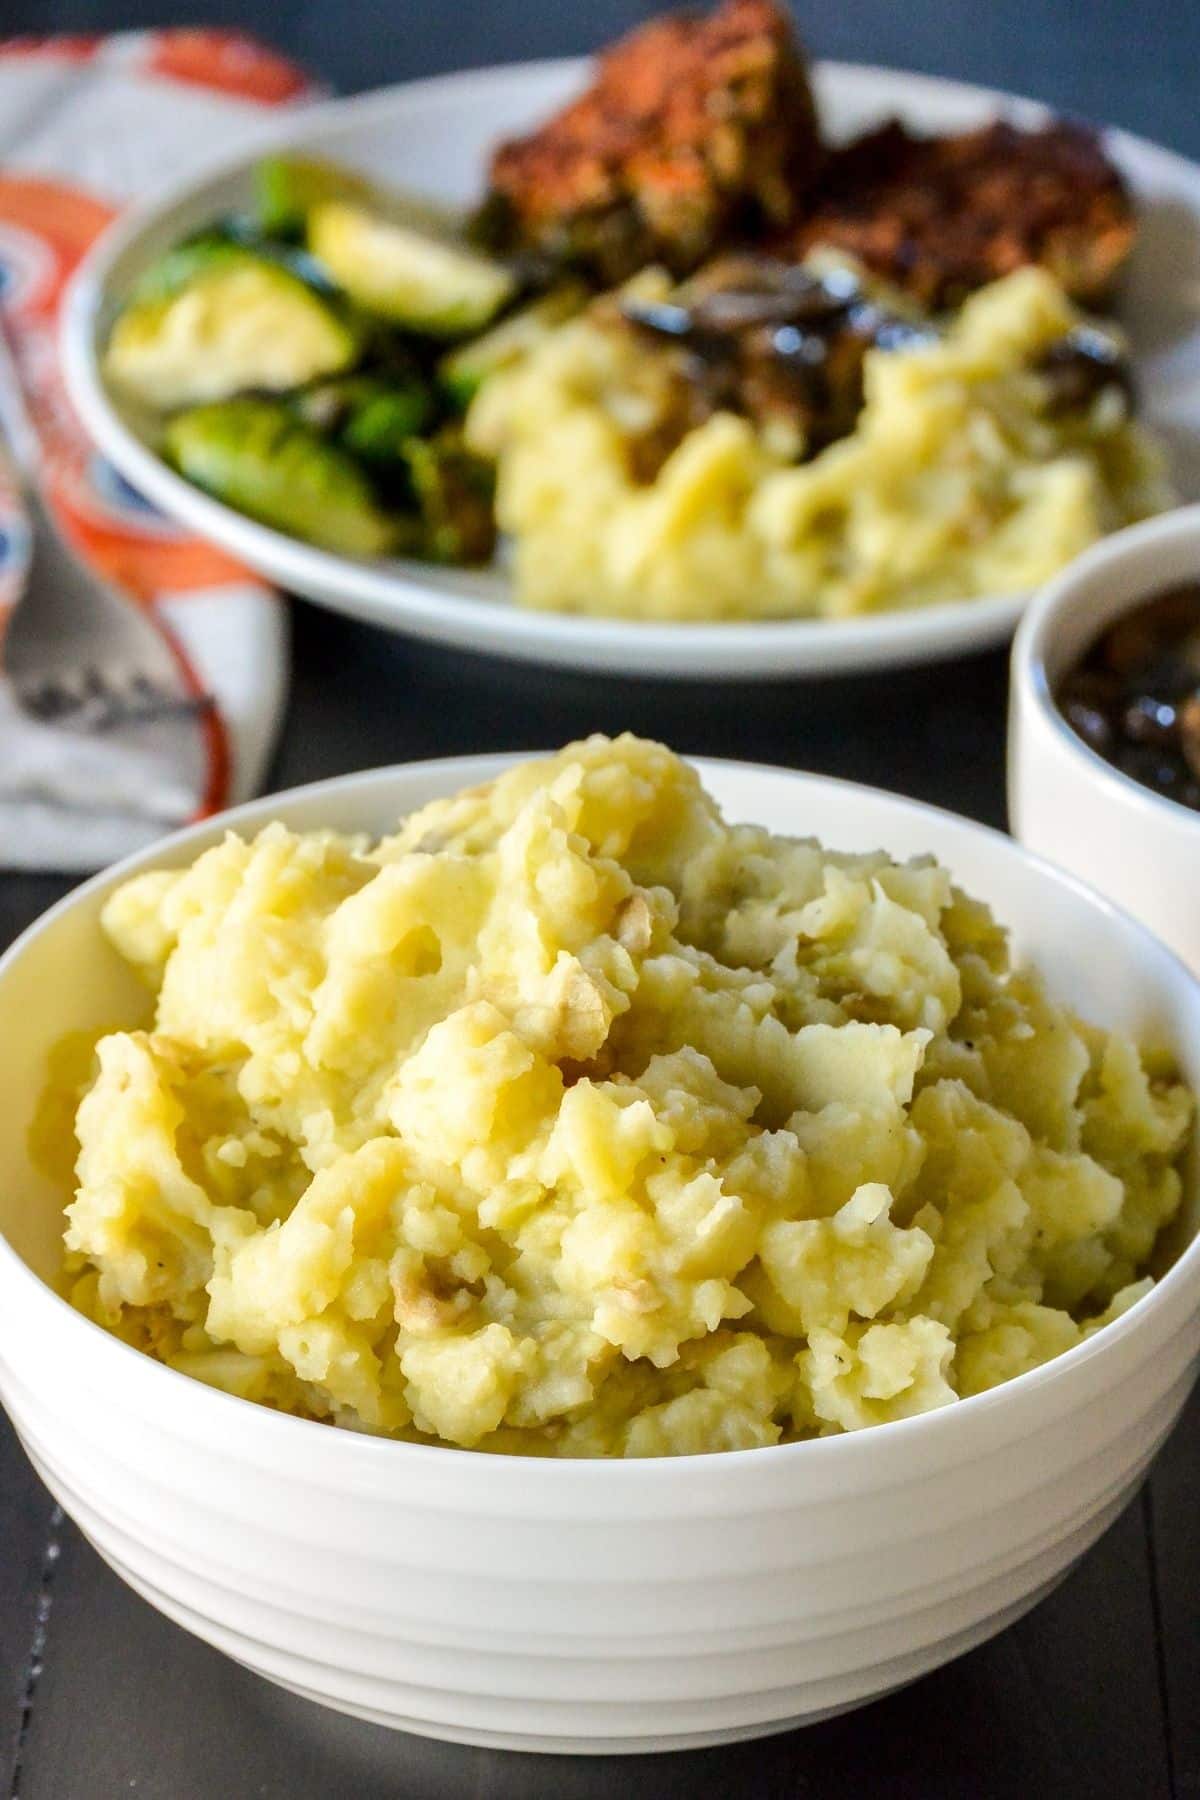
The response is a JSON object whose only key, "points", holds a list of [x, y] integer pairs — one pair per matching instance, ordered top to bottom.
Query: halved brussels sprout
{"points": [[287, 187], [196, 256], [406, 270], [235, 322], [463, 371], [373, 416], [381, 424], [258, 457], [453, 489]]}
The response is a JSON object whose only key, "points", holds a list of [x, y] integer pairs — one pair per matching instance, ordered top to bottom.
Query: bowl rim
{"points": [[1062, 595], [369, 1449]]}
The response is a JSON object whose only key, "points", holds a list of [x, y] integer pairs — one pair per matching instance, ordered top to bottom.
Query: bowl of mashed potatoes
{"points": [[548, 1253]]}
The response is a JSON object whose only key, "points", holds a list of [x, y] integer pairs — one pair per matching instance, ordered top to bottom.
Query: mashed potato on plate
{"points": [[959, 480], [572, 1120]]}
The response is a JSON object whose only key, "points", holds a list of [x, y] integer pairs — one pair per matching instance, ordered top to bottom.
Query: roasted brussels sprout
{"points": [[286, 188], [197, 256], [407, 271], [225, 321], [464, 370], [373, 415], [257, 456], [452, 489]]}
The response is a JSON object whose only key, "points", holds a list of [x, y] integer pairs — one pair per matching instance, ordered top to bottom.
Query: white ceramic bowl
{"points": [[1064, 800], [588, 1605]]}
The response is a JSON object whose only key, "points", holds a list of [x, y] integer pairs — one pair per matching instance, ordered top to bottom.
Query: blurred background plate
{"points": [[434, 137]]}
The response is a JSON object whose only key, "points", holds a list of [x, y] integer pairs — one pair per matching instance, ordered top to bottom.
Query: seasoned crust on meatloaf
{"points": [[689, 123], [941, 216]]}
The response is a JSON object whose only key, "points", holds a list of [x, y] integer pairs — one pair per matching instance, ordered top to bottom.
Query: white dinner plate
{"points": [[434, 137]]}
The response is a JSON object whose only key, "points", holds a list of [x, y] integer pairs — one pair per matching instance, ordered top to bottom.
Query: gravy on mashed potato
{"points": [[960, 478], [572, 1120]]}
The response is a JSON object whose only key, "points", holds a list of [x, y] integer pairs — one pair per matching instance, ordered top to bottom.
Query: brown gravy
{"points": [[1134, 697]]}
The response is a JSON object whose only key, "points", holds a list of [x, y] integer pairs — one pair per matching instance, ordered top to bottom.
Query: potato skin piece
{"points": [[689, 124], [942, 216]]}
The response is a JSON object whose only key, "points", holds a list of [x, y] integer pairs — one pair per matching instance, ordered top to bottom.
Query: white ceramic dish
{"points": [[433, 136], [1064, 800], [588, 1606]]}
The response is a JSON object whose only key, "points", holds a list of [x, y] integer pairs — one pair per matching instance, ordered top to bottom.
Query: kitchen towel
{"points": [[87, 126]]}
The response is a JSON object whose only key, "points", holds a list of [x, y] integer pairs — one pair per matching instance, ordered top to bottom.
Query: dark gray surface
{"points": [[1109, 59], [1174, 1541], [1097, 1692]]}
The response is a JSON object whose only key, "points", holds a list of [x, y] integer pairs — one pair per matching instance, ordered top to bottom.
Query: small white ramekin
{"points": [[1064, 801], [588, 1605]]}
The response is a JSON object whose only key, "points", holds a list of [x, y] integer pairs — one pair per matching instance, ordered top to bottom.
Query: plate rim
{"points": [[400, 599]]}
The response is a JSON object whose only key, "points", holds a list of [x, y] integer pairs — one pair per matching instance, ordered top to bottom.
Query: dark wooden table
{"points": [[1096, 1693]]}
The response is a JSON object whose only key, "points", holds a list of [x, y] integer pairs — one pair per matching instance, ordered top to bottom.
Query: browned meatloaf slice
{"points": [[690, 126], [941, 216]]}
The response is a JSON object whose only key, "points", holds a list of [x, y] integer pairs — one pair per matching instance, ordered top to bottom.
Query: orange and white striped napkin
{"points": [[88, 125]]}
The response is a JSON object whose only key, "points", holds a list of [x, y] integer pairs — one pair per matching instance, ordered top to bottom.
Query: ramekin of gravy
{"points": [[1134, 696]]}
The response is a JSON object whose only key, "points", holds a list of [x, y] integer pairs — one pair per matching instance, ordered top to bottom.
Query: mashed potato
{"points": [[959, 479], [572, 1120]]}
